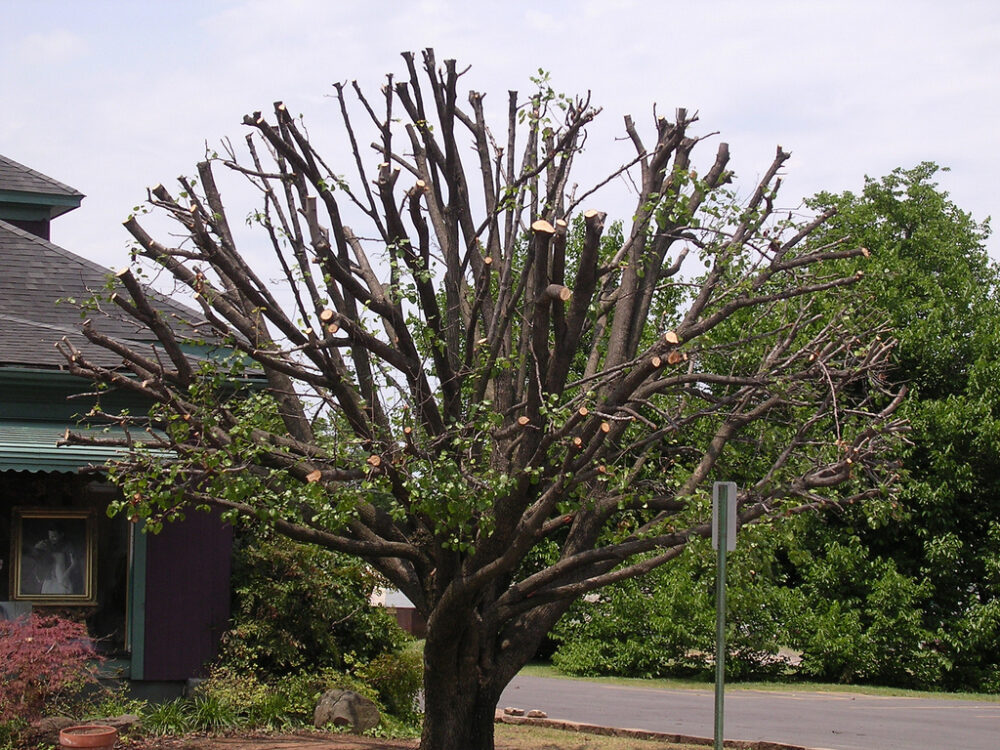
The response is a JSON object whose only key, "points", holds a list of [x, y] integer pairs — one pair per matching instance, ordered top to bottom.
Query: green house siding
{"points": [[37, 406], [135, 615]]}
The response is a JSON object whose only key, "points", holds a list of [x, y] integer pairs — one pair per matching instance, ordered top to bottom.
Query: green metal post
{"points": [[136, 606], [720, 613]]}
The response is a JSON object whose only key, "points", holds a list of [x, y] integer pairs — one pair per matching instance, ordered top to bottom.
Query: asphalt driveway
{"points": [[834, 721]]}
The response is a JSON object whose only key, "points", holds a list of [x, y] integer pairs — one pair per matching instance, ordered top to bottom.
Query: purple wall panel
{"points": [[187, 596]]}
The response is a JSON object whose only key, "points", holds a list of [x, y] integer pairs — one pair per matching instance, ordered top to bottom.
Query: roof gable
{"points": [[27, 194]]}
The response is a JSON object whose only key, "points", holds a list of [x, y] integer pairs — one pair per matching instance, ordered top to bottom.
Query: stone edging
{"points": [[640, 734]]}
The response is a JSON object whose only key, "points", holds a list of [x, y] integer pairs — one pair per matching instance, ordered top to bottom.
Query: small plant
{"points": [[47, 662], [397, 677], [301, 691], [232, 698], [249, 699], [114, 702], [211, 714], [173, 717], [393, 728], [11, 732]]}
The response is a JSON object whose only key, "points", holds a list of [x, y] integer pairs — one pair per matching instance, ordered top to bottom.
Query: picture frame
{"points": [[54, 556]]}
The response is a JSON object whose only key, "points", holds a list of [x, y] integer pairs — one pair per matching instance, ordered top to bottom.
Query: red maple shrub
{"points": [[46, 662]]}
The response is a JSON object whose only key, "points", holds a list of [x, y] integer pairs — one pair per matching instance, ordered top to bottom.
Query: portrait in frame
{"points": [[53, 554]]}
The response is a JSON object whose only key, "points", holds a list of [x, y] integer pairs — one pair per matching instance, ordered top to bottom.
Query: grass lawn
{"points": [[547, 670], [510, 737]]}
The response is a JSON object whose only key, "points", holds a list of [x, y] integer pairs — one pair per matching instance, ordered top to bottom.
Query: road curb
{"points": [[640, 734]]}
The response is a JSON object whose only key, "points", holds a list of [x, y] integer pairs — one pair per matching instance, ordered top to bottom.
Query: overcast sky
{"points": [[112, 97]]}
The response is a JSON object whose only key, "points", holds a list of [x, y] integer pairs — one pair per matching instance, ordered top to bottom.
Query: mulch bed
{"points": [[294, 741]]}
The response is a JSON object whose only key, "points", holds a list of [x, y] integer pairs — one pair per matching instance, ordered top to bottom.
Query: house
{"points": [[157, 604]]}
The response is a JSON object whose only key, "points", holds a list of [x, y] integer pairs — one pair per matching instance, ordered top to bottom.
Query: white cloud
{"points": [[540, 21], [50, 48], [849, 87]]}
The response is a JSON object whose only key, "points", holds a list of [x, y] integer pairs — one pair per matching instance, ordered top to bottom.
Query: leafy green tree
{"points": [[931, 275], [935, 281], [498, 419], [903, 590], [859, 619], [664, 625]]}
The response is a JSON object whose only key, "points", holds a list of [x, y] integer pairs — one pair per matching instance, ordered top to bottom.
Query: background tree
{"points": [[939, 288], [499, 414], [898, 592], [664, 624]]}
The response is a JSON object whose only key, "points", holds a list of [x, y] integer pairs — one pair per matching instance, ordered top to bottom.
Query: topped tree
{"points": [[479, 385]]}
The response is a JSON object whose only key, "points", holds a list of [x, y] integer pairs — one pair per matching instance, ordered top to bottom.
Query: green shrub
{"points": [[808, 585], [300, 607], [861, 621], [303, 624], [664, 625], [639, 628], [972, 648], [397, 679], [302, 691], [245, 695], [231, 699], [113, 701], [280, 703], [210, 714], [11, 733]]}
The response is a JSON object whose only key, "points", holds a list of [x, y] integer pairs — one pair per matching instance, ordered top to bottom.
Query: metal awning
{"points": [[33, 446]]}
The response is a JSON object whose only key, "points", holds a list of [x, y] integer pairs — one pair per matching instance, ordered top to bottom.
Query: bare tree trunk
{"points": [[460, 689], [457, 720]]}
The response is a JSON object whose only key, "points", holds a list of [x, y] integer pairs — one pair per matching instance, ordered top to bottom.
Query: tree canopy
{"points": [[939, 289], [466, 376], [903, 591]]}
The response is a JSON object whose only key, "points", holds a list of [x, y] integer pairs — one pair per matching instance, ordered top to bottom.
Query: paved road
{"points": [[834, 721]]}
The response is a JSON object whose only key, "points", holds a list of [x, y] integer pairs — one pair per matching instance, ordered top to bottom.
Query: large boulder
{"points": [[345, 708]]}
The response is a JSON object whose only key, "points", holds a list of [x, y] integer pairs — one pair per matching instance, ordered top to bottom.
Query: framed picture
{"points": [[54, 556]]}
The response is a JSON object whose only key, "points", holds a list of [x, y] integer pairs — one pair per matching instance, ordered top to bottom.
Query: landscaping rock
{"points": [[345, 708], [122, 723], [46, 731]]}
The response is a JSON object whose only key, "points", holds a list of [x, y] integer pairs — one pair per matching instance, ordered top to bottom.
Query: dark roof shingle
{"points": [[14, 176], [39, 283]]}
